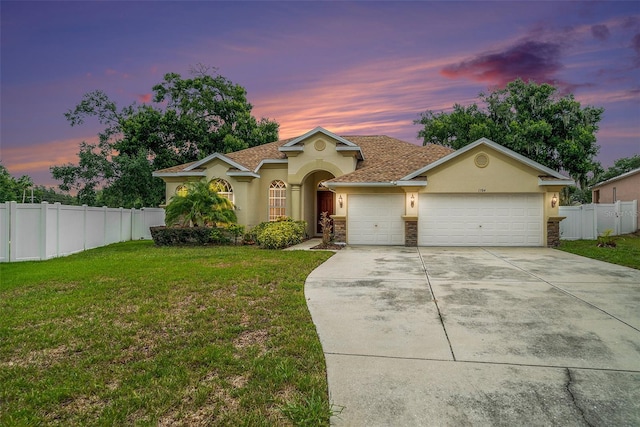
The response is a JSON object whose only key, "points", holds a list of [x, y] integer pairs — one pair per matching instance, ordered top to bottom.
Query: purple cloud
{"points": [[600, 32], [635, 43], [528, 60]]}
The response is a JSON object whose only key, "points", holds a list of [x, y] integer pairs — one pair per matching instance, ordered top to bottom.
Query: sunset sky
{"points": [[351, 67]]}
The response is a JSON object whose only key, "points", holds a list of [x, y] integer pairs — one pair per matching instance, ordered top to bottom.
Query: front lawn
{"points": [[627, 251], [133, 334]]}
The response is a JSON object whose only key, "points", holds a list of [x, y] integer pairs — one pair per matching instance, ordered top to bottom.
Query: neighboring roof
{"points": [[617, 178]]}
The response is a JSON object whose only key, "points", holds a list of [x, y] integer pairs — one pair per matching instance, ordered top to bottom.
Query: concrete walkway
{"points": [[478, 336]]}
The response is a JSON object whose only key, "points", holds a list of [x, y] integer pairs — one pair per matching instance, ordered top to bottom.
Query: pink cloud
{"points": [[144, 98], [36, 159]]}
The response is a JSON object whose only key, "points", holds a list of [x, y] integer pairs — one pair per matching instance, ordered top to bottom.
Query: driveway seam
{"points": [[560, 289], [435, 301], [482, 362]]}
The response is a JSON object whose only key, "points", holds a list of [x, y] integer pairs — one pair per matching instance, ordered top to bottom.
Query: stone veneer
{"points": [[339, 228], [553, 231], [411, 232]]}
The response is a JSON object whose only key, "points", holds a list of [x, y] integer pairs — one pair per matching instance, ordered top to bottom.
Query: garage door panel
{"points": [[375, 219], [473, 220]]}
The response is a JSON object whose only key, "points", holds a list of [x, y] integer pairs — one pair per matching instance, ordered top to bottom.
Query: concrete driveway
{"points": [[478, 336]]}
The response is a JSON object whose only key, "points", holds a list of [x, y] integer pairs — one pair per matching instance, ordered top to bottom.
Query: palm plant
{"points": [[200, 207]]}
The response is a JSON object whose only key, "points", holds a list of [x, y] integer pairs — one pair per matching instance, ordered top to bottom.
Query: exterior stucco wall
{"points": [[319, 154], [502, 174], [627, 189]]}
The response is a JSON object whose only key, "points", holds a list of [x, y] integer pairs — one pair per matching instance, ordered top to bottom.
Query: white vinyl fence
{"points": [[590, 221], [39, 231]]}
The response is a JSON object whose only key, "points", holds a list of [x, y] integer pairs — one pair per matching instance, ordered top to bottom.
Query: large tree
{"points": [[191, 118], [530, 119]]}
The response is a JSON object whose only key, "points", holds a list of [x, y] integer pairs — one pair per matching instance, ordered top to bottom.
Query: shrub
{"points": [[277, 235], [192, 236], [606, 240]]}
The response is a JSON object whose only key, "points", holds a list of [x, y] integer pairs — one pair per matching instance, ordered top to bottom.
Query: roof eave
{"points": [[217, 156], [271, 162], [243, 173], [174, 174], [545, 182], [375, 184]]}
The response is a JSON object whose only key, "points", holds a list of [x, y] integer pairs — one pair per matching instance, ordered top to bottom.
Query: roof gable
{"points": [[315, 131], [487, 142]]}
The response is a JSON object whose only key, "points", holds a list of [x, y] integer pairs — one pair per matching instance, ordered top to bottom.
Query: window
{"points": [[222, 187], [181, 191], [596, 196], [615, 196], [277, 200]]}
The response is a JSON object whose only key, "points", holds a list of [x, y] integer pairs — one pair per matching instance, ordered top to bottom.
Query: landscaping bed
{"points": [[135, 334]]}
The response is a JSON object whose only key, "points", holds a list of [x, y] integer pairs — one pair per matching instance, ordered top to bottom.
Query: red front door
{"points": [[325, 204]]}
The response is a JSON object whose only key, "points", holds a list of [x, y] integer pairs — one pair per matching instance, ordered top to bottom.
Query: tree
{"points": [[192, 118], [528, 118], [619, 167], [12, 189], [201, 206]]}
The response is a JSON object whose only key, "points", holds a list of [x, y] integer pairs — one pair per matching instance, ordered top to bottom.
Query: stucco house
{"points": [[625, 187], [383, 191]]}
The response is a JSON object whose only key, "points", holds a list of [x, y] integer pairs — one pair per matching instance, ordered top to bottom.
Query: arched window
{"points": [[222, 187], [181, 191], [277, 200]]}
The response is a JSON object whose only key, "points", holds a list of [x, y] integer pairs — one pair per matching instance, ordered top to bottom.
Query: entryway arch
{"points": [[316, 199]]}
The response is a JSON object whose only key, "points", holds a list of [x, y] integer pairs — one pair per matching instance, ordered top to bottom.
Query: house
{"points": [[625, 187], [383, 191]]}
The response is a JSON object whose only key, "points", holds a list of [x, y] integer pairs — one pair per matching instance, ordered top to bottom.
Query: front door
{"points": [[325, 204]]}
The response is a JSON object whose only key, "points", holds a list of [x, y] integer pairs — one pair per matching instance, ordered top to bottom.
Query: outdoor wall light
{"points": [[340, 200], [413, 201], [554, 201]]}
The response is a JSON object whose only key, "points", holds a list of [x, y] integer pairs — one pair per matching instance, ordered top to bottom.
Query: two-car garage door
{"points": [[448, 220], [480, 220]]}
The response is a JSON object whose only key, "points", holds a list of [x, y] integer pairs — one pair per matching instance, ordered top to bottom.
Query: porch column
{"points": [[296, 202]]}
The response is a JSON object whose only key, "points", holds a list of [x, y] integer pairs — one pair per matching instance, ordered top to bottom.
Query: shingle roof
{"points": [[385, 158], [396, 166]]}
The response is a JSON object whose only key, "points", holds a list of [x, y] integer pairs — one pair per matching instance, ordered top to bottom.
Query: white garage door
{"points": [[375, 219], [480, 220]]}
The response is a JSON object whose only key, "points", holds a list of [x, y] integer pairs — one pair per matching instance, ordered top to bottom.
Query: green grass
{"points": [[626, 252], [133, 334]]}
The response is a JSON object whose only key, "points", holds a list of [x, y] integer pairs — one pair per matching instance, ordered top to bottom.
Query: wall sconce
{"points": [[340, 200], [413, 201], [554, 201]]}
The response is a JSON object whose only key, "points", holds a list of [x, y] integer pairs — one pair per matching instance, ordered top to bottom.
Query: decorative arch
{"points": [[223, 188]]}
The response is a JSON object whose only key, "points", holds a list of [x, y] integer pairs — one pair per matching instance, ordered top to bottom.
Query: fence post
{"points": [[57, 205], [617, 210], [121, 221], [104, 226], [84, 227], [13, 230], [43, 230], [7, 231]]}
